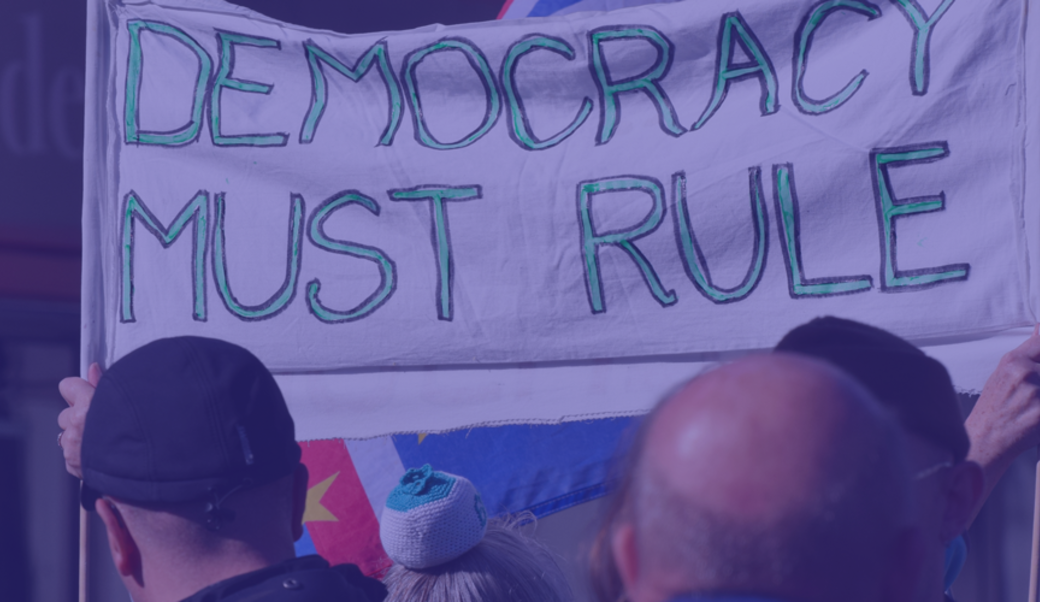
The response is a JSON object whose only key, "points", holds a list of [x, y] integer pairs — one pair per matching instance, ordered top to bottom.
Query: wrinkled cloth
{"points": [[406, 208]]}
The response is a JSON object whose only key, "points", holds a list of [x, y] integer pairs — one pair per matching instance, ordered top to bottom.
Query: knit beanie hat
{"points": [[430, 518]]}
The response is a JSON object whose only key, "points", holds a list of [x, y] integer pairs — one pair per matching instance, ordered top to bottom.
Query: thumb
{"points": [[94, 372], [75, 390]]}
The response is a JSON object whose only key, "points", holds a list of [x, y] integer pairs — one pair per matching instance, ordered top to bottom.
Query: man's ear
{"points": [[300, 477], [965, 488], [125, 553], [626, 557]]}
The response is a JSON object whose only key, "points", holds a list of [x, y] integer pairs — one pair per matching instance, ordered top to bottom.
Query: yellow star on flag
{"points": [[421, 437], [314, 510]]}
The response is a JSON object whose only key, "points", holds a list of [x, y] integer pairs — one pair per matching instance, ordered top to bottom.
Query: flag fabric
{"points": [[519, 9], [537, 468], [340, 522]]}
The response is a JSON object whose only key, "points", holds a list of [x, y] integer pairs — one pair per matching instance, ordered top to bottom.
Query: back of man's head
{"points": [[917, 388], [189, 455], [773, 476], [181, 531]]}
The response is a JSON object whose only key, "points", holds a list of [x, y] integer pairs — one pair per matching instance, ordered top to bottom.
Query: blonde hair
{"points": [[506, 566]]}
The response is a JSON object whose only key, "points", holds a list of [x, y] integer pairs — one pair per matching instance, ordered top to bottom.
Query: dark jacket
{"points": [[306, 579], [724, 598]]}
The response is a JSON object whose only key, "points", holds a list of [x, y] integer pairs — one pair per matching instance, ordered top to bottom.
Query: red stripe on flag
{"points": [[505, 7], [339, 516]]}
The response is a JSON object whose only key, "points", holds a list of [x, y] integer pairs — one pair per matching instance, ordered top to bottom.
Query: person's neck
{"points": [[169, 579]]}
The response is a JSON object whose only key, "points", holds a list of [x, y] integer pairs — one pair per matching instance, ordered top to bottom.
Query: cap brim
{"points": [[88, 497]]}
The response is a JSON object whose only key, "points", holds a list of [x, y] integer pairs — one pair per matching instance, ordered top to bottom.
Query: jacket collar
{"points": [[227, 587]]}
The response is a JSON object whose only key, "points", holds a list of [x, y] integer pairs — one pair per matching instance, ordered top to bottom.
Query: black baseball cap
{"points": [[914, 386], [183, 418]]}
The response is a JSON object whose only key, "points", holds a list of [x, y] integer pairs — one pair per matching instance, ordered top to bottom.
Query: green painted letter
{"points": [[228, 41], [803, 41], [378, 53], [479, 63], [920, 63], [727, 72], [646, 82], [131, 108], [520, 129], [889, 208], [197, 209], [440, 234], [592, 240], [693, 257], [387, 270], [799, 286], [281, 299]]}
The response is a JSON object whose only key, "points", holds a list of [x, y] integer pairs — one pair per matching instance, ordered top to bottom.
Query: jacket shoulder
{"points": [[315, 585]]}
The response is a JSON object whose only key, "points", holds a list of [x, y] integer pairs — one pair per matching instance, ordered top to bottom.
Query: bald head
{"points": [[760, 435], [774, 475]]}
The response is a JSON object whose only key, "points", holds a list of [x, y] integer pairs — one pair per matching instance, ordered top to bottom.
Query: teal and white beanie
{"points": [[430, 518]]}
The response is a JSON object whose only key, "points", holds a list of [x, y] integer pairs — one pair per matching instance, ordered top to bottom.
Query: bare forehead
{"points": [[777, 376], [758, 397], [754, 433]]}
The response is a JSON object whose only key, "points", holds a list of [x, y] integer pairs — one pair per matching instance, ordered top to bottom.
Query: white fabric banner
{"points": [[519, 213]]}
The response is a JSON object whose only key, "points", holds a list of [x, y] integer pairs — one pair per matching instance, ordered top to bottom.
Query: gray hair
{"points": [[506, 566]]}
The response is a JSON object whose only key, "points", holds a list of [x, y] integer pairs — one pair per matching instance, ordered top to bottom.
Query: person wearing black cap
{"points": [[188, 454], [949, 485]]}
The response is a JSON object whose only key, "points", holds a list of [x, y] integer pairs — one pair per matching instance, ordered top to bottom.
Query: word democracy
{"points": [[501, 92]]}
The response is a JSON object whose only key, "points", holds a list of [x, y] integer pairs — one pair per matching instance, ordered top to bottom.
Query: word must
{"points": [[195, 215]]}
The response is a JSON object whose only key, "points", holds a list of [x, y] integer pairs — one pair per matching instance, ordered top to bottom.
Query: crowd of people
{"points": [[838, 467]]}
